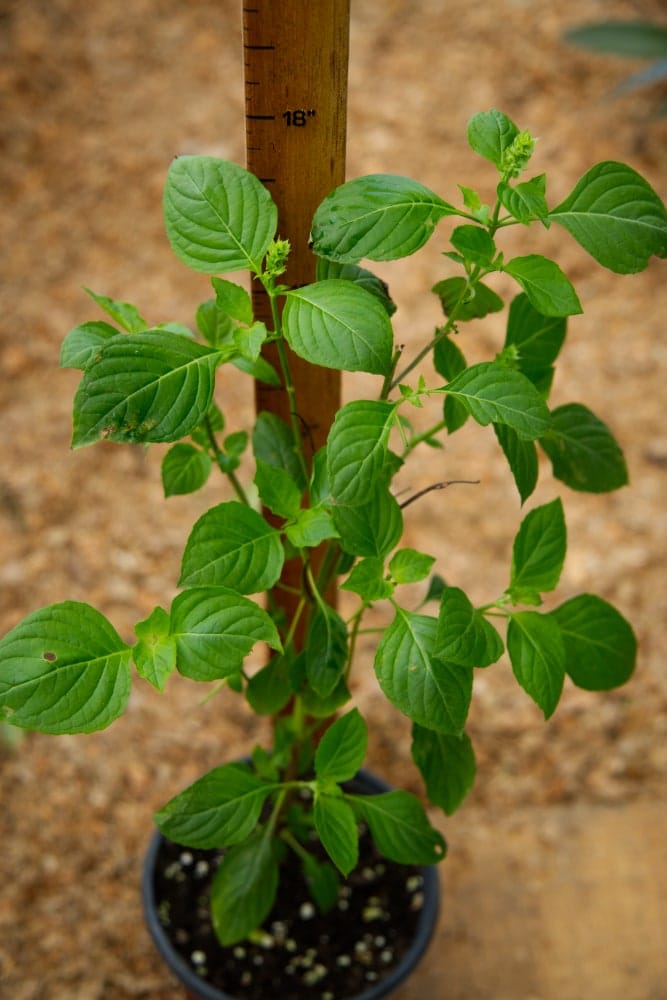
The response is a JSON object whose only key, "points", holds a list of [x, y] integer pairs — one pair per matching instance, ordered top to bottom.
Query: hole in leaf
{"points": [[49, 656]]}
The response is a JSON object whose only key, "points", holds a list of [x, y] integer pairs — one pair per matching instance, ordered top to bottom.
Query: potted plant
{"points": [[239, 848]]}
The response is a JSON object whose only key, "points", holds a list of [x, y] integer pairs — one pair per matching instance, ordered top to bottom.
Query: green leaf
{"points": [[636, 39], [491, 133], [525, 201], [616, 216], [380, 217], [219, 218], [475, 244], [361, 276], [547, 288], [457, 296], [233, 300], [124, 314], [340, 325], [215, 326], [537, 338], [83, 342], [448, 358], [148, 387], [494, 394], [273, 443], [357, 448], [583, 451], [522, 459], [185, 469], [277, 490], [310, 527], [373, 528], [232, 545], [539, 549], [410, 566], [367, 579], [215, 629], [464, 636], [600, 646], [326, 650], [155, 654], [537, 654], [64, 669], [269, 690], [430, 691], [324, 707], [342, 749], [447, 765], [220, 809], [400, 827], [337, 829], [322, 881], [244, 888]]}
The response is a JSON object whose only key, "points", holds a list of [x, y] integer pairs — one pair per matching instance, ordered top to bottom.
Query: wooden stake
{"points": [[295, 62]]}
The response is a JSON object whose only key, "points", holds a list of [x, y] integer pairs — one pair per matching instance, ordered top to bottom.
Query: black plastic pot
{"points": [[198, 989]]}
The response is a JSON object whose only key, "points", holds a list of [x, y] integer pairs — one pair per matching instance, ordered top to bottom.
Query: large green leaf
{"points": [[218, 216], [616, 216], [380, 217], [361, 276], [547, 288], [338, 324], [536, 338], [145, 387], [495, 394], [357, 448], [583, 451], [521, 457], [373, 528], [232, 545], [539, 549], [215, 628], [464, 636], [600, 646], [326, 650], [537, 654], [64, 669], [432, 692], [342, 749], [447, 765], [220, 809], [400, 827], [337, 829], [244, 887]]}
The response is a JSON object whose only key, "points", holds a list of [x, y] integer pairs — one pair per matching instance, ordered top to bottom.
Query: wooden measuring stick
{"points": [[295, 71]]}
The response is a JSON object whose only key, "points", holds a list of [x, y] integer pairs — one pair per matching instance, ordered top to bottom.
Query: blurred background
{"points": [[557, 877]]}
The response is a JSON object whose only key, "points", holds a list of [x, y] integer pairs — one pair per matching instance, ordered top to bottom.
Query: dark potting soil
{"points": [[301, 955]]}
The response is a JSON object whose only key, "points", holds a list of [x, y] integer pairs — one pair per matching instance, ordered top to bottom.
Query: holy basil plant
{"points": [[65, 669]]}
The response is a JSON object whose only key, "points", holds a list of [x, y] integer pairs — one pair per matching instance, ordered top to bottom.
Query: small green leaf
{"points": [[491, 133], [525, 201], [616, 216], [380, 217], [219, 218], [474, 244], [366, 279], [547, 288], [233, 300], [466, 302], [124, 314], [338, 324], [215, 326], [537, 338], [83, 342], [448, 358], [146, 387], [493, 393], [273, 443], [357, 448], [583, 451], [522, 459], [185, 469], [277, 490], [310, 527], [373, 528], [232, 545], [539, 549], [410, 566], [367, 579], [215, 628], [464, 636], [600, 646], [326, 650], [155, 654], [537, 654], [64, 669], [269, 690], [430, 691], [323, 707], [342, 749], [447, 765], [220, 809], [400, 827], [337, 829], [322, 881], [244, 888]]}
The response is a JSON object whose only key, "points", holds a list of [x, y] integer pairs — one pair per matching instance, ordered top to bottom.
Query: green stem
{"points": [[418, 438], [219, 458]]}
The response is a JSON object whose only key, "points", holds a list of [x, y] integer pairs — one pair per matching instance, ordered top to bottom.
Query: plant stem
{"points": [[219, 458]]}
